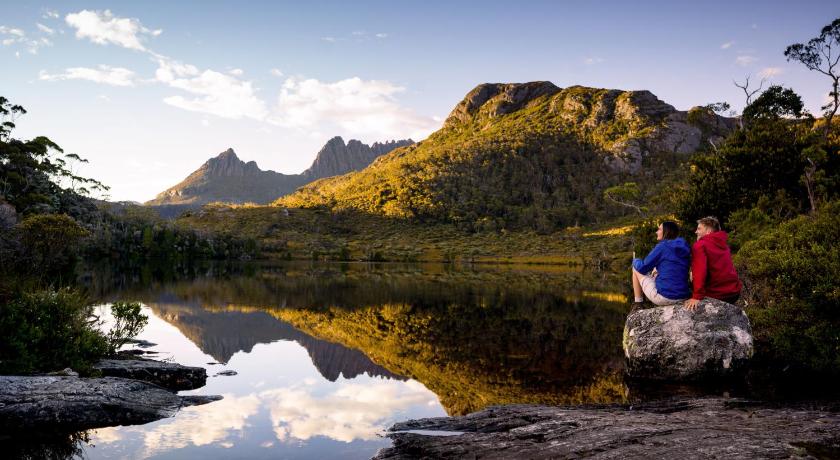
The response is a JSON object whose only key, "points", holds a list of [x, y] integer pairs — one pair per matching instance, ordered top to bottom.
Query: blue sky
{"points": [[147, 91]]}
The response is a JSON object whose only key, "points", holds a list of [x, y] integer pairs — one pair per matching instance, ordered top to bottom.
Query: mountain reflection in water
{"points": [[474, 336], [329, 355]]}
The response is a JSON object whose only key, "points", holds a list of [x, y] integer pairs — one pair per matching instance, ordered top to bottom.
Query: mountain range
{"points": [[526, 155], [226, 178]]}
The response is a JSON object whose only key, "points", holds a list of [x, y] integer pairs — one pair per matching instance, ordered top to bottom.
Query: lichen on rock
{"points": [[672, 343]]}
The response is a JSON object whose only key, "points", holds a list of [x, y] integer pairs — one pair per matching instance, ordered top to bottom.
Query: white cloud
{"points": [[51, 14], [102, 27], [44, 29], [12, 31], [359, 33], [13, 35], [381, 35], [329, 39], [727, 45], [593, 60], [745, 60], [236, 72], [276, 72], [770, 72], [114, 76], [214, 93], [358, 107], [351, 412], [200, 426]]}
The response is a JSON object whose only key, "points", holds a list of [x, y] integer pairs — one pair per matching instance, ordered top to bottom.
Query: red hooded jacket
{"points": [[712, 269]]}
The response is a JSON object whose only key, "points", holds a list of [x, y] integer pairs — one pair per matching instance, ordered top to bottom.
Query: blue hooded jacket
{"points": [[672, 260]]}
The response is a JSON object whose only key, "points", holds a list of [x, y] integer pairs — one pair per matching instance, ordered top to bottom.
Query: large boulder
{"points": [[672, 343]]}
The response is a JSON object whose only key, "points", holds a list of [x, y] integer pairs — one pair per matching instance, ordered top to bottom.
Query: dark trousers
{"points": [[731, 299]]}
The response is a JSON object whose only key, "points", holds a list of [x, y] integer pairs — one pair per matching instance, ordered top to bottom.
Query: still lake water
{"points": [[328, 356]]}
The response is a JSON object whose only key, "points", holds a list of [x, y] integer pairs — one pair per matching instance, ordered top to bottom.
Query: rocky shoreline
{"points": [[131, 391], [687, 428]]}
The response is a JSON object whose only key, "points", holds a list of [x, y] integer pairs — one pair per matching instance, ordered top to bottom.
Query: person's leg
{"points": [[637, 287], [731, 299]]}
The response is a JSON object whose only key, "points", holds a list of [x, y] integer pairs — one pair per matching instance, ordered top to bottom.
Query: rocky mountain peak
{"points": [[495, 99], [337, 158], [227, 178]]}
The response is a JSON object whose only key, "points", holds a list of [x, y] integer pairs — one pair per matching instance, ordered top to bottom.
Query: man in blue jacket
{"points": [[671, 260]]}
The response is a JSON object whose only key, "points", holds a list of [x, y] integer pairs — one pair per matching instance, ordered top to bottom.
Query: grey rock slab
{"points": [[672, 343], [172, 376], [48, 402], [697, 428]]}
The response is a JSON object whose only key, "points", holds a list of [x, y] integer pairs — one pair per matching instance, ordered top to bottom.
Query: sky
{"points": [[148, 91]]}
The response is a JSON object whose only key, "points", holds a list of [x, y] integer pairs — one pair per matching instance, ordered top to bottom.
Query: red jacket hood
{"points": [[717, 239]]}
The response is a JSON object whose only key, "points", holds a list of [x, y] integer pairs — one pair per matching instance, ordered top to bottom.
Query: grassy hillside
{"points": [[522, 156], [323, 234]]}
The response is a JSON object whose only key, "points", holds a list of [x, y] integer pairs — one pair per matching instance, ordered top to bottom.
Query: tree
{"points": [[822, 54], [774, 103], [32, 172], [624, 195]]}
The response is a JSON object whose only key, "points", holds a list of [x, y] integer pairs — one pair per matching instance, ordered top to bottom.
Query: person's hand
{"points": [[691, 304]]}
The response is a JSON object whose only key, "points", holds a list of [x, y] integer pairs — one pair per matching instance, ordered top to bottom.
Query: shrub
{"points": [[768, 159], [50, 240], [793, 295], [128, 322], [48, 330]]}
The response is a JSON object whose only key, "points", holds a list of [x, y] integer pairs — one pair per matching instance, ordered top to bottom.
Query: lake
{"points": [[327, 356]]}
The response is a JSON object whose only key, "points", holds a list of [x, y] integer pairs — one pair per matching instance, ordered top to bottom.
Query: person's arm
{"points": [[645, 266], [699, 270]]}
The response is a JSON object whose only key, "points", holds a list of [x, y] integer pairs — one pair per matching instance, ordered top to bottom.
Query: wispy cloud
{"points": [[51, 14], [102, 27], [45, 29], [381, 35], [10, 36], [727, 45], [593, 60], [745, 60], [770, 72], [114, 76], [357, 107], [361, 107]]}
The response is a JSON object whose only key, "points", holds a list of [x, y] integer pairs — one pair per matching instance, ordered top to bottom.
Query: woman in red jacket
{"points": [[712, 269]]}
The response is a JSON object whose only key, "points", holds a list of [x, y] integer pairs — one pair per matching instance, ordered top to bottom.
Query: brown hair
{"points": [[710, 222], [670, 230]]}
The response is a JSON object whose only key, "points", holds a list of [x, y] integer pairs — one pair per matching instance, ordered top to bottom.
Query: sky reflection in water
{"points": [[279, 404]]}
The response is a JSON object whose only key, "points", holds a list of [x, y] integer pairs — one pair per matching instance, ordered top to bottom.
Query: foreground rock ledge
{"points": [[672, 343], [172, 376], [78, 404], [696, 428]]}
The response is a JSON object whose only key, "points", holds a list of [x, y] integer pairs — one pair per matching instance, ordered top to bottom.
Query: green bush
{"points": [[769, 159], [50, 241], [793, 294], [128, 322], [48, 330]]}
